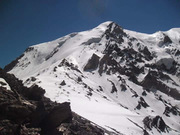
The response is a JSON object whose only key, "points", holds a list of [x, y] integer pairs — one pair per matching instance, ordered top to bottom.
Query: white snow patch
{"points": [[4, 84]]}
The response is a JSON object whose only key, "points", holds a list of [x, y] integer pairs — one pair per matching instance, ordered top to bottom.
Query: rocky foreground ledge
{"points": [[25, 111]]}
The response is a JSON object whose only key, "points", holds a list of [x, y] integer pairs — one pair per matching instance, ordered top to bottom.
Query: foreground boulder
{"points": [[20, 116]]}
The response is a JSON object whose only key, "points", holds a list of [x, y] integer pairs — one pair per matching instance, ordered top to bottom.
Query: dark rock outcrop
{"points": [[115, 32], [167, 39], [147, 54], [106, 61], [66, 63], [92, 63], [12, 64], [153, 78], [63, 83], [114, 89], [142, 103], [171, 110], [155, 122]]}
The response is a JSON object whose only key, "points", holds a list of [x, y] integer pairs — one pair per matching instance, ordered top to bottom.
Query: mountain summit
{"points": [[124, 81]]}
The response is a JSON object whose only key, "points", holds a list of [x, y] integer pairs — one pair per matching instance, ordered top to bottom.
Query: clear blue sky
{"points": [[27, 22]]}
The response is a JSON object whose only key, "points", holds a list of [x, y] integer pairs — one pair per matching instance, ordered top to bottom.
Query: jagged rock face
{"points": [[115, 32], [136, 75], [152, 81], [156, 122]]}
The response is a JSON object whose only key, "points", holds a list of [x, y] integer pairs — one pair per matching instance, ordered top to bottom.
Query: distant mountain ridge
{"points": [[124, 81]]}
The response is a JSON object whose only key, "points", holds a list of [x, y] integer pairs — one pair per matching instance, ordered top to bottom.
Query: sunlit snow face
{"points": [[92, 8]]}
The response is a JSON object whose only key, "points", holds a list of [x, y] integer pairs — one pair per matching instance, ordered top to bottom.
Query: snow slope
{"points": [[116, 78], [4, 84]]}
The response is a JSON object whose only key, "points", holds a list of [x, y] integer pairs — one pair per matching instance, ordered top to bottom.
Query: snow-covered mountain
{"points": [[124, 81]]}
